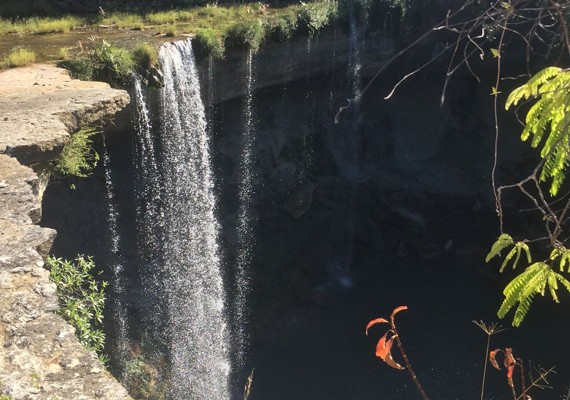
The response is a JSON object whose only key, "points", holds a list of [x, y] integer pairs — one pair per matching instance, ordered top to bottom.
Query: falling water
{"points": [[355, 62], [308, 130], [147, 177], [245, 220], [117, 284], [196, 331]]}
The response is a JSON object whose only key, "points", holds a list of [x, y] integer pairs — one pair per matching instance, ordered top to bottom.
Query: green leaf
{"points": [[495, 53], [500, 244], [522, 289]]}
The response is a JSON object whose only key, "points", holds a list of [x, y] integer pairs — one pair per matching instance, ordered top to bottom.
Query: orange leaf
{"points": [[397, 310], [374, 322], [383, 351], [509, 358], [492, 359], [510, 364]]}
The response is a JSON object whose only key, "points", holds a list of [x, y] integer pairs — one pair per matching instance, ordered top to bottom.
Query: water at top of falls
{"points": [[196, 333]]}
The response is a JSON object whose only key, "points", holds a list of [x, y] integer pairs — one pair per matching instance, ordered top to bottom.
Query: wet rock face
{"points": [[40, 357]]}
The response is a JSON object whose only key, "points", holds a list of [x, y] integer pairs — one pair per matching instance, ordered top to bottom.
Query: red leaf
{"points": [[397, 310], [374, 322], [383, 351], [509, 358], [492, 359], [510, 364], [510, 375]]}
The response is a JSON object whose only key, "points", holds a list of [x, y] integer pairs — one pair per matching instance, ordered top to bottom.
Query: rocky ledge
{"points": [[40, 357]]}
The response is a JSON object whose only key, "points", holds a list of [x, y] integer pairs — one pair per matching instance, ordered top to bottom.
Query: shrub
{"points": [[19, 8], [317, 15], [283, 26], [170, 31], [246, 34], [209, 42], [145, 55], [19, 58], [113, 64], [79, 68], [78, 158], [81, 298]]}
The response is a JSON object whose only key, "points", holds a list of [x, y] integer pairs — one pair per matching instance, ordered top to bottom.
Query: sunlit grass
{"points": [[123, 21], [39, 26], [19, 58]]}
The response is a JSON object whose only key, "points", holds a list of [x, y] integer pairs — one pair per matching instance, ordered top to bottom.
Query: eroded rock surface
{"points": [[41, 105], [40, 357]]}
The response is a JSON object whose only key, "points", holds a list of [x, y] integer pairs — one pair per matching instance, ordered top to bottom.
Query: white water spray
{"points": [[245, 220], [117, 284], [197, 332]]}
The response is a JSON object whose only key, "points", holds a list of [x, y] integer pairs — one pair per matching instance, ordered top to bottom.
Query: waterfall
{"points": [[355, 62], [308, 130], [148, 181], [245, 220], [119, 312], [197, 334]]}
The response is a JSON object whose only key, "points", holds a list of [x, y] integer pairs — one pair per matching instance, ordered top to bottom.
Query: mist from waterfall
{"points": [[245, 232], [119, 311], [196, 331]]}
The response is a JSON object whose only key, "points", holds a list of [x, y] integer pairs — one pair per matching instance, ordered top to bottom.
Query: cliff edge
{"points": [[40, 357]]}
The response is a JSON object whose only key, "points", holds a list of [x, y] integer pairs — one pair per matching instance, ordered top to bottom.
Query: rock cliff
{"points": [[40, 357]]}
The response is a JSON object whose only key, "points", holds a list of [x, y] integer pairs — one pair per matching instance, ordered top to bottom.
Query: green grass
{"points": [[123, 21], [40, 26], [210, 42], [145, 55], [19, 58]]}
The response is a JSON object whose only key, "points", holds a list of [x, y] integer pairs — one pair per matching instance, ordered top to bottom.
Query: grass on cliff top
{"points": [[244, 25], [19, 58]]}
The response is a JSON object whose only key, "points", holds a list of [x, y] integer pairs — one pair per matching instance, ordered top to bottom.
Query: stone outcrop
{"points": [[40, 357]]}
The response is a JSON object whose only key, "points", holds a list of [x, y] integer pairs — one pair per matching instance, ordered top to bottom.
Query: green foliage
{"points": [[19, 8], [318, 14], [123, 21], [39, 26], [283, 26], [246, 34], [209, 42], [145, 55], [19, 58], [104, 62], [114, 63], [82, 67], [548, 119], [78, 158], [502, 243], [534, 280], [81, 298], [141, 378], [5, 397]]}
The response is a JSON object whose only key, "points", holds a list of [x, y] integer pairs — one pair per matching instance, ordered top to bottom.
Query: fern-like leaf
{"points": [[548, 121], [500, 244], [522, 289]]}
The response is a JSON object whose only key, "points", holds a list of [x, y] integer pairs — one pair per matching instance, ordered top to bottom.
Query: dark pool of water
{"points": [[323, 353]]}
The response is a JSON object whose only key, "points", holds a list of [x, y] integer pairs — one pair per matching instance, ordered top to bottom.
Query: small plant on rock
{"points": [[78, 158], [81, 298]]}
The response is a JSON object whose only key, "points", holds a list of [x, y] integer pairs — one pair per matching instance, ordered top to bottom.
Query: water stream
{"points": [[245, 231], [118, 309], [197, 332]]}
